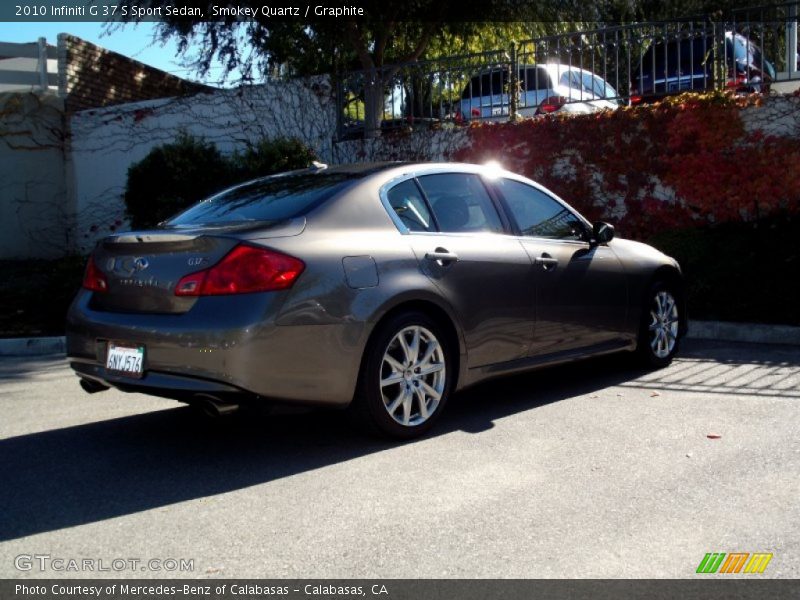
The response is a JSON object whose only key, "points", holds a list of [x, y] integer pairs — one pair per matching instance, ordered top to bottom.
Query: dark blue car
{"points": [[688, 64]]}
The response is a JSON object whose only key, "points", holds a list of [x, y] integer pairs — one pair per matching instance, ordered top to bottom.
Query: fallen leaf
{"points": [[654, 394], [713, 436]]}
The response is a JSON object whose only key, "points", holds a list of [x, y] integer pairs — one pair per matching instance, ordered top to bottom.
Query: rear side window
{"points": [[535, 78], [488, 84], [270, 199], [407, 203], [460, 203], [537, 214]]}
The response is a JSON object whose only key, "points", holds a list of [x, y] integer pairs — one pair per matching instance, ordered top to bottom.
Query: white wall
{"points": [[105, 142], [34, 210]]}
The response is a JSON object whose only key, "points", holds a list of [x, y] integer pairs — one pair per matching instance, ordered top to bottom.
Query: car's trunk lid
{"points": [[143, 268]]}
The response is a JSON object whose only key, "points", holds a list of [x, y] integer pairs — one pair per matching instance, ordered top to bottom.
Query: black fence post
{"points": [[718, 50], [513, 85], [339, 106]]}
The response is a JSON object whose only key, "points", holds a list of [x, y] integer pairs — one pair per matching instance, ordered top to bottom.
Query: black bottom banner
{"points": [[395, 589]]}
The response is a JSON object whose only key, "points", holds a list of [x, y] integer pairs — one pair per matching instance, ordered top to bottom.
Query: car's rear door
{"points": [[457, 234]]}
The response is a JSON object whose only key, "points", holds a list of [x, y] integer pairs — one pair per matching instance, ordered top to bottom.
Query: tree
{"points": [[392, 32]]}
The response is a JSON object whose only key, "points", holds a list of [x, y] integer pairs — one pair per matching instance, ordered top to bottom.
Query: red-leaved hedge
{"points": [[687, 161]]}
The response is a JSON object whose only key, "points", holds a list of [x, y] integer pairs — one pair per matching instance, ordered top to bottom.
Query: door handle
{"points": [[442, 256], [548, 262]]}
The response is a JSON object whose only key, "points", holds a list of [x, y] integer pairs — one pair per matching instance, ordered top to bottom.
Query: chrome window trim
{"points": [[455, 168], [488, 175]]}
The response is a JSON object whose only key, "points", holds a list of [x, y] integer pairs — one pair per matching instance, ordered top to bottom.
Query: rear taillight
{"points": [[736, 82], [551, 104], [243, 270], [93, 278]]}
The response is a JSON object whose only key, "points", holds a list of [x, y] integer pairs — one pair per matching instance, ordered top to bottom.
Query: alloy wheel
{"points": [[663, 326], [413, 375]]}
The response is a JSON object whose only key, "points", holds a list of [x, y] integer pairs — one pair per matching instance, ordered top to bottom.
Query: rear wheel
{"points": [[660, 325], [406, 377]]}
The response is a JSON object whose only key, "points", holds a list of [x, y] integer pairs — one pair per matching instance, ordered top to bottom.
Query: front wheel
{"points": [[660, 326], [406, 377]]}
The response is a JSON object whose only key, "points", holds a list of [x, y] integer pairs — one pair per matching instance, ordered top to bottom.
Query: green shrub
{"points": [[272, 156], [174, 176]]}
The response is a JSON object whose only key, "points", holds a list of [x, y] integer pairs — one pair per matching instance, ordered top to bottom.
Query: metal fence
{"points": [[749, 50], [25, 67], [418, 93]]}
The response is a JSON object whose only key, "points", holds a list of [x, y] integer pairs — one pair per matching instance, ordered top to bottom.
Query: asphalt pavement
{"points": [[595, 469]]}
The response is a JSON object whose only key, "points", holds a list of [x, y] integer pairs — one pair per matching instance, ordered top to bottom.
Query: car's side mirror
{"points": [[602, 233]]}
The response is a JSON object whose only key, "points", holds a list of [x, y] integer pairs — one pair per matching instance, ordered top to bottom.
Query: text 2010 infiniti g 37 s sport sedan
{"points": [[382, 288]]}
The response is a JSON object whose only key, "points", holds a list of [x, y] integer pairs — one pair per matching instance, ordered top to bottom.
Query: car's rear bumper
{"points": [[221, 348]]}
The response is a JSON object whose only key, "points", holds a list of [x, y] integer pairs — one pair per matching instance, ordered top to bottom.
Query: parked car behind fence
{"points": [[686, 64], [543, 89]]}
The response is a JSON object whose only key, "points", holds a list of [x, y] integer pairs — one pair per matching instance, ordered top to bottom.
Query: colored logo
{"points": [[734, 562]]}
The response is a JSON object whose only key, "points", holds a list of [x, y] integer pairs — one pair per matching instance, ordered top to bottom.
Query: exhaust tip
{"points": [[92, 387], [214, 406]]}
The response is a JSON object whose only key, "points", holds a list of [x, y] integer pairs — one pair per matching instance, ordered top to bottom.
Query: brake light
{"points": [[736, 82], [636, 99], [551, 104], [243, 270], [93, 277]]}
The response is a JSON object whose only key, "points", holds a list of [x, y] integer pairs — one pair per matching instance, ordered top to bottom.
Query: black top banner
{"points": [[302, 11]]}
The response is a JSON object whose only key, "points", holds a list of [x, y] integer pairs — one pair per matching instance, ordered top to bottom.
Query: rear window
{"points": [[685, 53], [535, 78], [496, 82], [493, 84], [270, 199]]}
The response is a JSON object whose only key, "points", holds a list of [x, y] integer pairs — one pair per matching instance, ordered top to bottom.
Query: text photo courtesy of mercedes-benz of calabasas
{"points": [[380, 288]]}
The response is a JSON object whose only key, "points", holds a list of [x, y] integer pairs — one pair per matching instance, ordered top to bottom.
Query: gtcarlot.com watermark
{"points": [[61, 564]]}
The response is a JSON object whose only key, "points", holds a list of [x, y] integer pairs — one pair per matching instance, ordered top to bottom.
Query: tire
{"points": [[659, 329], [406, 377]]}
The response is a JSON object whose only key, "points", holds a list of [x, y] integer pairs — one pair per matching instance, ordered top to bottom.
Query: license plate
{"points": [[125, 360]]}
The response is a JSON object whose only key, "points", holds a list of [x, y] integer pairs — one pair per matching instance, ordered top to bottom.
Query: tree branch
{"points": [[359, 44], [422, 44]]}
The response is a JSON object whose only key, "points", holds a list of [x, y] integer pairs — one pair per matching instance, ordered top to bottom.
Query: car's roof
{"points": [[549, 66], [362, 169], [382, 172]]}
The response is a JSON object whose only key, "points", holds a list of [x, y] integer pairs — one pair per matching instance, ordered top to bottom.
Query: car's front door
{"points": [[484, 273], [581, 291]]}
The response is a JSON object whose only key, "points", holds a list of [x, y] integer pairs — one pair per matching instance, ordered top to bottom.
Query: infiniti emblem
{"points": [[128, 266]]}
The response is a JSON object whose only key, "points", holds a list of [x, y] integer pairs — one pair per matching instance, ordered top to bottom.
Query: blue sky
{"points": [[135, 41]]}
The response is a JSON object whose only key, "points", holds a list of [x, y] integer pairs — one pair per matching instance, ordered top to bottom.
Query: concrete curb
{"points": [[700, 330], [744, 332], [32, 346]]}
